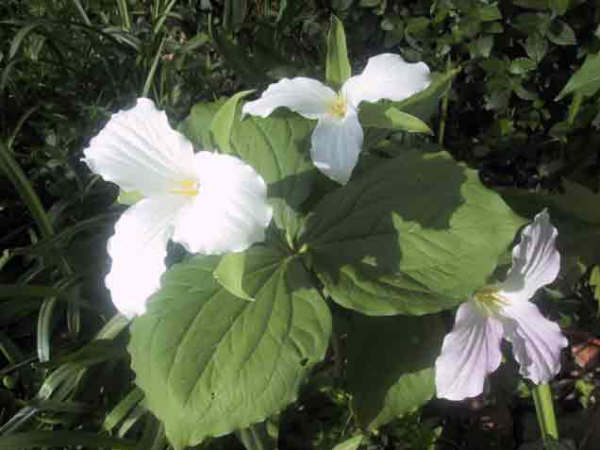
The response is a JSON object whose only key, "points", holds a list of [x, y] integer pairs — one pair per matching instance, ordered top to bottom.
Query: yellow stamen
{"points": [[338, 107], [186, 187], [488, 299]]}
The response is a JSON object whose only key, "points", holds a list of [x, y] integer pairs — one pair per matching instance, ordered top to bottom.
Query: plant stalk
{"points": [[544, 409]]}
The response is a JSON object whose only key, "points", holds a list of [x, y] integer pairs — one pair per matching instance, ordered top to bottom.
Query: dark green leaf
{"points": [[561, 33], [417, 234], [390, 365]]}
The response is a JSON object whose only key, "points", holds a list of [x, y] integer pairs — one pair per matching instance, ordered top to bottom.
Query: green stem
{"points": [[444, 112], [544, 409]]}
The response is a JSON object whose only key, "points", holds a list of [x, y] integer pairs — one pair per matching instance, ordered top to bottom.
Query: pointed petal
{"points": [[387, 76], [306, 96], [336, 144], [138, 150], [230, 211], [138, 250], [536, 262], [536, 341], [469, 352]]}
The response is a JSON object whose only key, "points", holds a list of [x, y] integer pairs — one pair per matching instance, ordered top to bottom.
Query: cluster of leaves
{"points": [[345, 266]]}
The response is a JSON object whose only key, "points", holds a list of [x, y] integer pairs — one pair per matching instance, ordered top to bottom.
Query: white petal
{"points": [[387, 76], [306, 96], [336, 144], [138, 150], [230, 211], [138, 250], [536, 262], [536, 341], [469, 352]]}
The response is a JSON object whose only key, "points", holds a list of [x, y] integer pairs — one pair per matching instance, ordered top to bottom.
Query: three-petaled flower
{"points": [[338, 137], [210, 203], [472, 349]]}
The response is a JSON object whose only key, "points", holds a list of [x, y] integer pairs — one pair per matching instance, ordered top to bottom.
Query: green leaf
{"points": [[561, 33], [536, 47], [337, 66], [519, 66], [586, 80], [425, 103], [382, 115], [222, 122], [196, 126], [278, 148], [129, 197], [417, 234], [244, 273], [210, 363], [390, 363], [350, 444]]}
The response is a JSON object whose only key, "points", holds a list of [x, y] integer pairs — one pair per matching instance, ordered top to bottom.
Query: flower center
{"points": [[338, 107], [186, 187], [488, 300]]}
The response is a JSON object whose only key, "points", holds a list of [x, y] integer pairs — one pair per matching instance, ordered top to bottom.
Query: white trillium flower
{"points": [[338, 137], [208, 202], [472, 349]]}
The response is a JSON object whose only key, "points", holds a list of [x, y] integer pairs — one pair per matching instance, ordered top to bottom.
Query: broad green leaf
{"points": [[337, 66], [586, 80], [425, 103], [382, 115], [223, 120], [196, 127], [278, 148], [129, 197], [414, 235], [244, 273], [390, 362], [210, 363], [350, 444]]}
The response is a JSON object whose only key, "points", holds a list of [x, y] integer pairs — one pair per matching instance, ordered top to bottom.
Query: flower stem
{"points": [[544, 408]]}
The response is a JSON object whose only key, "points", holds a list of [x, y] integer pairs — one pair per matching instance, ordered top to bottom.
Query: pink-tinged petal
{"points": [[387, 76], [306, 96], [336, 144], [138, 150], [230, 211], [138, 249], [536, 261], [537, 342], [469, 352]]}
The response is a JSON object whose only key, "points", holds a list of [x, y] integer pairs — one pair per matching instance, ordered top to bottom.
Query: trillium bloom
{"points": [[338, 137], [210, 203], [472, 349]]}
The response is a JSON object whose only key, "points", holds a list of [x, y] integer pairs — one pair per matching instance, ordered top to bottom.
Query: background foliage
{"points": [[522, 109]]}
